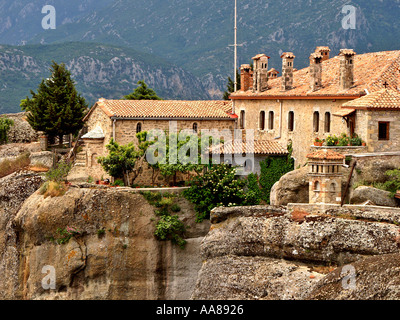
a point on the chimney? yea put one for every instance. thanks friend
(287, 71)
(245, 77)
(346, 79)
(316, 59)
(273, 73)
(260, 75)
(324, 51)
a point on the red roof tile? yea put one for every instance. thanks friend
(260, 147)
(382, 99)
(371, 71)
(325, 155)
(166, 109)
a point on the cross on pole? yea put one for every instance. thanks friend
(386, 85)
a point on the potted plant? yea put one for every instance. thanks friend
(318, 142)
(332, 141)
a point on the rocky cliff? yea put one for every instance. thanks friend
(124, 261)
(282, 253)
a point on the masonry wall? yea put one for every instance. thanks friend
(125, 132)
(303, 134)
(372, 132)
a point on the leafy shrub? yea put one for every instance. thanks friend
(272, 169)
(119, 183)
(66, 234)
(216, 188)
(253, 193)
(59, 173)
(175, 208)
(5, 125)
(170, 228)
(394, 183)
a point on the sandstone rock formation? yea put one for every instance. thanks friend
(374, 278)
(291, 188)
(291, 240)
(14, 190)
(376, 196)
(21, 132)
(125, 261)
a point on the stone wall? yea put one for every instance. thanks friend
(303, 135)
(21, 132)
(125, 132)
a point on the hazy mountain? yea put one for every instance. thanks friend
(99, 71)
(196, 34)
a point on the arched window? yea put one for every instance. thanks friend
(291, 121)
(242, 119)
(195, 127)
(317, 186)
(316, 121)
(271, 120)
(327, 122)
(138, 127)
(262, 120)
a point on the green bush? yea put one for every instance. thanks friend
(5, 125)
(272, 169)
(217, 188)
(170, 228)
(253, 192)
(59, 173)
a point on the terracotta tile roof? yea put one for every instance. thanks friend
(382, 99)
(325, 155)
(259, 56)
(347, 52)
(288, 55)
(344, 112)
(260, 147)
(322, 49)
(273, 70)
(371, 71)
(166, 109)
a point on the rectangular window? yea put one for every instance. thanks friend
(384, 128)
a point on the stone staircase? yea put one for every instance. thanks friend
(78, 172)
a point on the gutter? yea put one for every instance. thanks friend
(173, 119)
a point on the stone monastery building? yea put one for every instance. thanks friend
(348, 93)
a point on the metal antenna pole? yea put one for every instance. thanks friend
(235, 45)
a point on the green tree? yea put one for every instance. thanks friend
(142, 92)
(231, 86)
(272, 169)
(5, 125)
(56, 109)
(124, 160)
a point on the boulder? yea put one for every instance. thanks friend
(21, 132)
(42, 158)
(373, 278)
(293, 187)
(376, 196)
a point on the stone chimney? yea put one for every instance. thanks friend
(260, 73)
(246, 79)
(316, 71)
(324, 51)
(346, 80)
(273, 73)
(287, 71)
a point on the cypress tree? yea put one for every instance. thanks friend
(56, 109)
